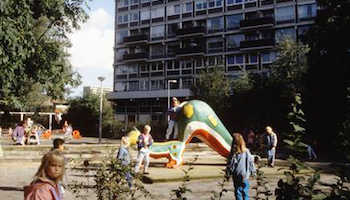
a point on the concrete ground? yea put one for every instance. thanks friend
(205, 176)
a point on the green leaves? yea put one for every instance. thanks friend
(33, 42)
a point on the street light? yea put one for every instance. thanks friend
(101, 79)
(170, 81)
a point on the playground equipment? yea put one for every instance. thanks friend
(196, 119)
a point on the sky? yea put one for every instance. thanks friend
(92, 46)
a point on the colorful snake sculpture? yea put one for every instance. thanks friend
(195, 119)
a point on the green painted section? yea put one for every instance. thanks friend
(200, 112)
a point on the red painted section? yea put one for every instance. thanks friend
(211, 141)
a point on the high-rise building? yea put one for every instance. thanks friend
(159, 41)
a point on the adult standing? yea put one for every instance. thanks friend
(270, 138)
(172, 124)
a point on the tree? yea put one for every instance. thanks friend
(84, 115)
(213, 87)
(290, 65)
(329, 73)
(33, 42)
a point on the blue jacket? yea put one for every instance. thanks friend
(241, 166)
(124, 156)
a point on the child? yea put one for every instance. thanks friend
(240, 166)
(58, 144)
(270, 139)
(125, 157)
(18, 133)
(46, 181)
(144, 141)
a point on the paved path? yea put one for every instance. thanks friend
(205, 176)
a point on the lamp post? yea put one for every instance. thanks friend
(101, 79)
(170, 81)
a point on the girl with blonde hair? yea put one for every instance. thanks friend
(240, 166)
(125, 157)
(46, 183)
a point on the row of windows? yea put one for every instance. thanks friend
(281, 12)
(199, 63)
(212, 44)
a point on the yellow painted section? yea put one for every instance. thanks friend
(188, 110)
(213, 120)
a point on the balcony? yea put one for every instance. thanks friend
(135, 57)
(191, 32)
(136, 39)
(257, 23)
(257, 44)
(190, 51)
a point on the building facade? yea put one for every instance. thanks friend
(91, 90)
(160, 41)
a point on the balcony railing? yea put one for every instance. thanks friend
(136, 39)
(193, 31)
(258, 22)
(190, 51)
(142, 56)
(257, 44)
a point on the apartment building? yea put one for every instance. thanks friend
(161, 45)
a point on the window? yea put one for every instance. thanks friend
(145, 1)
(133, 69)
(144, 85)
(173, 10)
(157, 12)
(173, 65)
(303, 29)
(187, 7)
(157, 85)
(253, 58)
(120, 86)
(121, 52)
(172, 29)
(268, 57)
(285, 32)
(121, 69)
(201, 5)
(215, 44)
(157, 66)
(157, 51)
(122, 3)
(215, 24)
(233, 41)
(134, 2)
(232, 21)
(133, 86)
(235, 59)
(232, 2)
(123, 18)
(144, 68)
(285, 14)
(214, 3)
(121, 35)
(172, 47)
(145, 14)
(186, 64)
(186, 82)
(134, 16)
(157, 32)
(307, 11)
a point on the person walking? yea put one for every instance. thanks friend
(270, 140)
(240, 166)
(144, 141)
